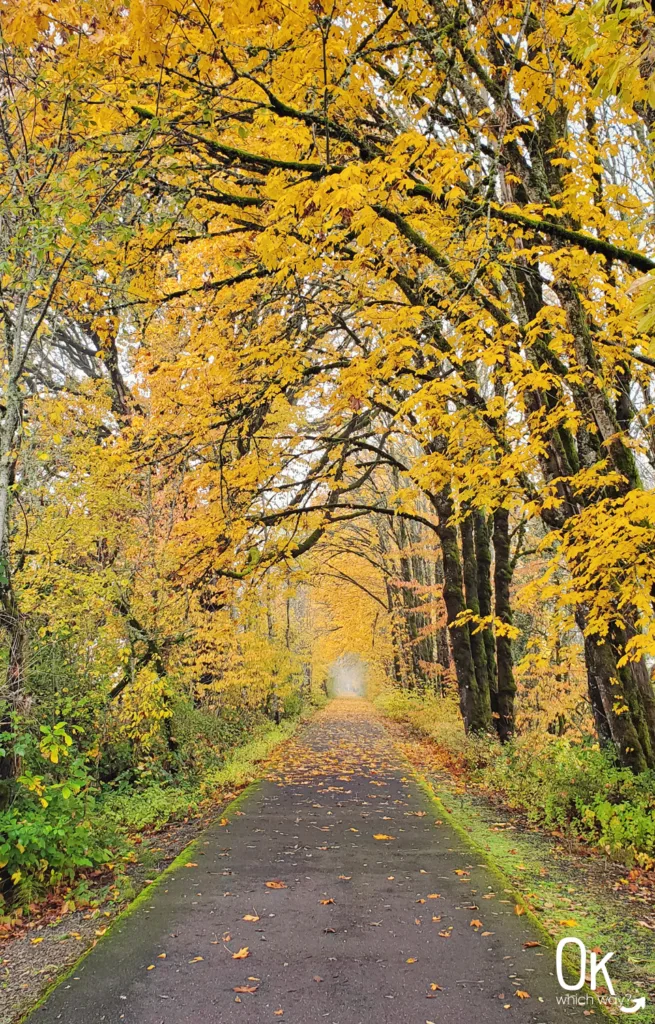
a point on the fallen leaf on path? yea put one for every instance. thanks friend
(151, 968)
(278, 1013)
(242, 954)
(434, 895)
(196, 959)
(224, 821)
(475, 923)
(191, 864)
(245, 988)
(485, 934)
(251, 917)
(345, 878)
(162, 956)
(317, 978)
(445, 935)
(412, 960)
(35, 942)
(275, 884)
(460, 872)
(324, 903)
(521, 994)
(531, 944)
(435, 988)
(381, 835)
(519, 910)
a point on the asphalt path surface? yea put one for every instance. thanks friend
(331, 893)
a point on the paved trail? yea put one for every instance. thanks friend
(357, 928)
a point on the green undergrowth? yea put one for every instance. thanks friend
(566, 895)
(574, 789)
(56, 846)
(156, 804)
(563, 900)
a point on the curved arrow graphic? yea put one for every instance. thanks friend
(637, 1005)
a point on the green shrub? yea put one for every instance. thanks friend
(578, 790)
(47, 834)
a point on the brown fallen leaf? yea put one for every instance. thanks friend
(242, 954)
(317, 978)
(460, 872)
(487, 933)
(324, 903)
(445, 935)
(278, 1013)
(434, 895)
(275, 884)
(531, 944)
(437, 917)
(345, 878)
(475, 923)
(245, 988)
(434, 987)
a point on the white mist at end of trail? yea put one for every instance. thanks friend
(347, 677)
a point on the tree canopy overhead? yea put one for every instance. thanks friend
(328, 328)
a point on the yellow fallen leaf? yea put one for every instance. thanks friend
(224, 821)
(487, 933)
(250, 917)
(571, 923)
(242, 954)
(278, 1013)
(381, 835)
(475, 923)
(460, 871)
(324, 903)
(519, 910)
(191, 864)
(162, 956)
(522, 995)
(435, 988)
(35, 942)
(412, 960)
(152, 967)
(434, 896)
(196, 959)
(275, 884)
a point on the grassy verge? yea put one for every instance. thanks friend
(568, 891)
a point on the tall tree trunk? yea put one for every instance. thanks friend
(474, 701)
(470, 565)
(506, 686)
(12, 621)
